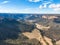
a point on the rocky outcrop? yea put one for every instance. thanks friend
(35, 34)
(46, 30)
(58, 42)
(39, 26)
(50, 35)
(49, 17)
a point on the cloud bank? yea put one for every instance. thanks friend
(55, 7)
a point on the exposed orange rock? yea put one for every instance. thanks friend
(49, 17)
(58, 42)
(39, 26)
(35, 34)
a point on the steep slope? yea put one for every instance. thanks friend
(18, 31)
(11, 29)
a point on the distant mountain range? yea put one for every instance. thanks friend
(18, 27)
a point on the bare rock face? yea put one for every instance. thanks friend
(49, 17)
(36, 34)
(47, 35)
(50, 33)
(41, 27)
(46, 31)
(58, 42)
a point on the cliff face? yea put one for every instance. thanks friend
(34, 30)
(36, 34)
(49, 30)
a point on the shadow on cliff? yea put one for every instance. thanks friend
(10, 28)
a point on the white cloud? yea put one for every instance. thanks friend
(38, 11)
(51, 5)
(45, 2)
(40, 6)
(4, 2)
(55, 7)
(34, 0)
(44, 5)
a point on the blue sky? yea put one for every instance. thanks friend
(30, 6)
